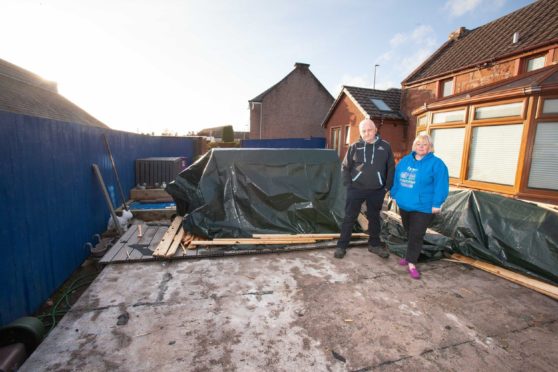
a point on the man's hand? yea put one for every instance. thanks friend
(436, 210)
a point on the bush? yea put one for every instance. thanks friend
(228, 134)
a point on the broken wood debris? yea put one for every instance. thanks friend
(534, 284)
(271, 239)
(176, 237)
(168, 238)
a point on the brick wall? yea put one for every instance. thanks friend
(347, 113)
(416, 96)
(295, 108)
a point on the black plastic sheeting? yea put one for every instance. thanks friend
(240, 192)
(510, 233)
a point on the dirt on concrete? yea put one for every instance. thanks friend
(302, 311)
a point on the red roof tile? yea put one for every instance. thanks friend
(537, 25)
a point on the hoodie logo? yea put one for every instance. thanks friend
(381, 147)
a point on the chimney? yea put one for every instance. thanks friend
(458, 34)
(303, 66)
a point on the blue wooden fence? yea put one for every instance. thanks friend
(51, 202)
(285, 143)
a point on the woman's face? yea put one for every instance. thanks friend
(422, 147)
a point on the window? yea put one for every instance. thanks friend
(495, 153)
(348, 135)
(422, 121)
(446, 87)
(499, 111)
(448, 146)
(550, 106)
(381, 105)
(336, 139)
(448, 117)
(535, 63)
(544, 163)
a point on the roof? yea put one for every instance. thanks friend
(362, 97)
(298, 67)
(534, 81)
(536, 24)
(218, 132)
(23, 92)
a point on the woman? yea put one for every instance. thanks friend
(420, 187)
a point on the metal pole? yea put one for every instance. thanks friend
(115, 172)
(374, 85)
(107, 199)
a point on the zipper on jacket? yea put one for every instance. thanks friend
(373, 152)
(380, 179)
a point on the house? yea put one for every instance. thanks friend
(489, 98)
(23, 92)
(292, 108)
(217, 133)
(355, 104)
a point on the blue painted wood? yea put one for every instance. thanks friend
(51, 203)
(285, 143)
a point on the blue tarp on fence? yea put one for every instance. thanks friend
(285, 143)
(52, 203)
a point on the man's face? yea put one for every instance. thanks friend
(368, 132)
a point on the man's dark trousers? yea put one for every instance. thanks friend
(374, 201)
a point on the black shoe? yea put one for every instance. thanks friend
(380, 250)
(339, 252)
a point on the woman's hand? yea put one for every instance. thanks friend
(436, 210)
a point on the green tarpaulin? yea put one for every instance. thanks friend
(240, 192)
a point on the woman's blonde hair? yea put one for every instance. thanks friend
(425, 138)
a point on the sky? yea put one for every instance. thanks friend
(178, 66)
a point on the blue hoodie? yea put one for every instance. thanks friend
(420, 185)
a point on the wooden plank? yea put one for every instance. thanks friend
(127, 253)
(150, 194)
(165, 243)
(362, 222)
(249, 241)
(175, 242)
(115, 249)
(308, 236)
(145, 239)
(160, 231)
(154, 214)
(534, 284)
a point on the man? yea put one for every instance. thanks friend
(368, 170)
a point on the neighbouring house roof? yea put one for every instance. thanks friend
(536, 25)
(23, 92)
(218, 132)
(298, 66)
(364, 98)
(534, 81)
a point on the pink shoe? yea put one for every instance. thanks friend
(414, 273)
(403, 262)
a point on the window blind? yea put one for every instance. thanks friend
(494, 153)
(448, 146)
(544, 163)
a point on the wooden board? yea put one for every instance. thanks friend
(167, 240)
(125, 250)
(249, 241)
(175, 242)
(534, 284)
(309, 236)
(150, 194)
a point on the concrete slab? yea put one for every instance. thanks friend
(301, 311)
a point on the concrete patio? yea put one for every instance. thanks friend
(301, 311)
